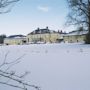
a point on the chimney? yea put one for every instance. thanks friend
(47, 27)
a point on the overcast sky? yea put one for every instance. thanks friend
(28, 15)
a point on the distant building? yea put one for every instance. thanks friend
(75, 36)
(44, 35)
(15, 40)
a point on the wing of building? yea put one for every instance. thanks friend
(75, 36)
(15, 40)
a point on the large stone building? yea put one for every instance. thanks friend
(45, 36)
(15, 40)
(75, 36)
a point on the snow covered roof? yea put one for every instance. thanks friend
(77, 32)
(16, 36)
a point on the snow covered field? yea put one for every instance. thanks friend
(52, 66)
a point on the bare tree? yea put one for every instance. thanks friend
(6, 5)
(80, 14)
(10, 78)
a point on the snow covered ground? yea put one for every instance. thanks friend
(52, 66)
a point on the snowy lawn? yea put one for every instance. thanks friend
(51, 66)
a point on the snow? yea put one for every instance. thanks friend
(84, 32)
(52, 66)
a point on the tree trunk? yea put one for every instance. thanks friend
(88, 35)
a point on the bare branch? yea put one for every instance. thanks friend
(4, 5)
(80, 12)
(4, 61)
(11, 75)
(15, 78)
(12, 85)
(14, 62)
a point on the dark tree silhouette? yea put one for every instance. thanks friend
(2, 38)
(80, 14)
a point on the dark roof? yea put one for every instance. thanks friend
(77, 32)
(42, 31)
(14, 36)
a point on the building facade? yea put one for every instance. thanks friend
(15, 40)
(44, 35)
(75, 36)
